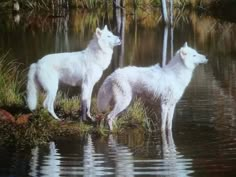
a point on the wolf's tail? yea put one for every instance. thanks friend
(32, 88)
(104, 96)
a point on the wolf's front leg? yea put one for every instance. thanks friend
(164, 111)
(170, 116)
(84, 109)
(86, 101)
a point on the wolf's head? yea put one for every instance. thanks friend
(191, 57)
(106, 39)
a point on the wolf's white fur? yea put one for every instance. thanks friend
(83, 68)
(166, 84)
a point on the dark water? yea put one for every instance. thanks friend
(203, 141)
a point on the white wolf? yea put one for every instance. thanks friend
(83, 68)
(166, 84)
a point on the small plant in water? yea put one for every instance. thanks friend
(135, 116)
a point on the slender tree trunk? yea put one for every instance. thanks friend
(164, 49)
(120, 21)
(171, 13)
(66, 20)
(134, 51)
(106, 20)
(172, 41)
(122, 36)
(164, 12)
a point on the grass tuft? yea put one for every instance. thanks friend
(135, 116)
(11, 82)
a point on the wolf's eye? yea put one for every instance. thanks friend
(194, 55)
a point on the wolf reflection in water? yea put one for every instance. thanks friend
(112, 159)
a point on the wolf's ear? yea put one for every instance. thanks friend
(105, 27)
(185, 44)
(183, 53)
(98, 32)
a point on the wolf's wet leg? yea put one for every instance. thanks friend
(84, 111)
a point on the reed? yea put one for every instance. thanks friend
(11, 82)
(135, 116)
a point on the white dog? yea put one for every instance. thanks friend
(82, 68)
(166, 84)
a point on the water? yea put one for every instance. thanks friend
(203, 140)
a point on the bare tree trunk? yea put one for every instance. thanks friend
(171, 29)
(164, 49)
(164, 11)
(172, 41)
(134, 5)
(106, 19)
(122, 36)
(119, 18)
(171, 13)
(168, 21)
(135, 38)
(66, 20)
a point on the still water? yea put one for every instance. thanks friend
(203, 140)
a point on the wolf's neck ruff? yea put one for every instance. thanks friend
(182, 73)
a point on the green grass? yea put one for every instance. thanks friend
(11, 82)
(136, 116)
(68, 107)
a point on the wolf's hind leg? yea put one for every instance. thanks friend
(52, 97)
(122, 100)
(50, 85)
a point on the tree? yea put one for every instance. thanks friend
(164, 12)
(167, 17)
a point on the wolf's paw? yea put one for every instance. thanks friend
(92, 118)
(58, 119)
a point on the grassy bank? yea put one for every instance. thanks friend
(21, 128)
(29, 130)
